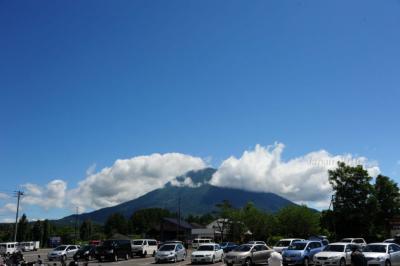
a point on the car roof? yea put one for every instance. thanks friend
(340, 243)
(290, 239)
(381, 243)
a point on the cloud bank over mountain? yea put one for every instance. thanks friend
(303, 179)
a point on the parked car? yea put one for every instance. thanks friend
(207, 253)
(334, 254)
(285, 243)
(301, 252)
(199, 241)
(170, 252)
(228, 246)
(248, 254)
(358, 241)
(63, 251)
(87, 252)
(257, 243)
(143, 247)
(114, 249)
(389, 240)
(382, 254)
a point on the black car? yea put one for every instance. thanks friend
(114, 249)
(87, 252)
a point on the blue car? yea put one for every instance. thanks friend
(228, 246)
(301, 253)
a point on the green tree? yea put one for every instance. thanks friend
(23, 231)
(262, 225)
(37, 231)
(47, 230)
(298, 221)
(85, 230)
(353, 204)
(386, 193)
(116, 223)
(144, 220)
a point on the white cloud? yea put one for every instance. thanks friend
(303, 179)
(9, 208)
(7, 220)
(187, 182)
(50, 196)
(131, 178)
(4, 196)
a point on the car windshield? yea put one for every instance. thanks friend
(335, 248)
(138, 242)
(223, 244)
(167, 248)
(297, 246)
(243, 248)
(109, 243)
(283, 243)
(206, 248)
(345, 240)
(375, 248)
(86, 248)
(60, 248)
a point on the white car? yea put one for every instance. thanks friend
(382, 254)
(285, 243)
(358, 241)
(144, 247)
(207, 253)
(334, 254)
(63, 251)
(200, 241)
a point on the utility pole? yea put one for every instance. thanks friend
(18, 194)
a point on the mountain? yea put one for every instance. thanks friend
(198, 198)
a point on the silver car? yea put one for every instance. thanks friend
(63, 251)
(170, 252)
(382, 254)
(248, 254)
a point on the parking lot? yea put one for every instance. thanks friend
(32, 256)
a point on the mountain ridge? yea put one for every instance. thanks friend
(198, 198)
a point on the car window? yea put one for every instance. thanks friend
(317, 245)
(396, 248)
(153, 243)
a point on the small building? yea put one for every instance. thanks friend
(394, 226)
(173, 229)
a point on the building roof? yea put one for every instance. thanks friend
(182, 223)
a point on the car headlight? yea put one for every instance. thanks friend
(208, 255)
(335, 257)
(381, 258)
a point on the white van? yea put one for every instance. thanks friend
(8, 248)
(29, 246)
(200, 241)
(144, 247)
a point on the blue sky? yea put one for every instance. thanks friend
(90, 82)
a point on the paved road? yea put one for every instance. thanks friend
(149, 261)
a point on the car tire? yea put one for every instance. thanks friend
(388, 263)
(222, 257)
(306, 262)
(144, 254)
(248, 262)
(229, 264)
(115, 258)
(175, 259)
(154, 254)
(342, 262)
(126, 256)
(64, 257)
(213, 260)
